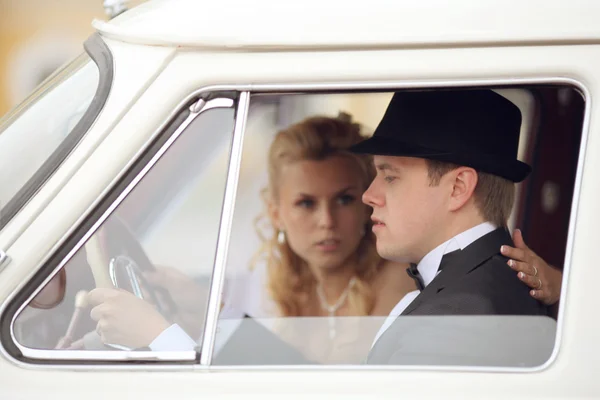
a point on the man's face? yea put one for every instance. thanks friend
(407, 210)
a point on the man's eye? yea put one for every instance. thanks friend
(389, 179)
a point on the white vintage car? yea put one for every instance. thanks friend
(149, 150)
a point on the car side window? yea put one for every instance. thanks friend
(305, 283)
(140, 278)
(300, 277)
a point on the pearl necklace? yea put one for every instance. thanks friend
(331, 309)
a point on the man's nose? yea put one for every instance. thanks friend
(371, 196)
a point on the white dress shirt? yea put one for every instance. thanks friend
(429, 265)
(174, 337)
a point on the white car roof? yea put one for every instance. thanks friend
(333, 24)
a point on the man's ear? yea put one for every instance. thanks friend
(464, 182)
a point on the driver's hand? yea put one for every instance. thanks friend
(125, 319)
(186, 293)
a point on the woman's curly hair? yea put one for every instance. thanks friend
(290, 281)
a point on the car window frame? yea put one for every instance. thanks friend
(101, 55)
(203, 362)
(94, 218)
(346, 87)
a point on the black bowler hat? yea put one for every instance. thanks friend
(475, 128)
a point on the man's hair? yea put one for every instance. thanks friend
(494, 196)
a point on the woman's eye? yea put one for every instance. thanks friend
(389, 179)
(346, 199)
(306, 203)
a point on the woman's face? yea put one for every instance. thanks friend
(320, 210)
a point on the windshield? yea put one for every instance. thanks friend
(37, 136)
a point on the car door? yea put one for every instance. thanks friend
(170, 149)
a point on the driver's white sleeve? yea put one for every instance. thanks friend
(173, 339)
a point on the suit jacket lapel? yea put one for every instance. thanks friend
(469, 258)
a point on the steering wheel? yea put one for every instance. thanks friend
(117, 260)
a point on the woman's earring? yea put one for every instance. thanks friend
(281, 237)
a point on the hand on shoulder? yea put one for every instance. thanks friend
(544, 279)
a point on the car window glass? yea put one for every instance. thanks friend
(157, 246)
(276, 311)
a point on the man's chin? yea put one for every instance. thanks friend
(385, 253)
(394, 255)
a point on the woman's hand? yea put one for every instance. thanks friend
(544, 280)
(125, 319)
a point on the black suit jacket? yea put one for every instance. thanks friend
(476, 282)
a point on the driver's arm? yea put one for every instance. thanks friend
(173, 338)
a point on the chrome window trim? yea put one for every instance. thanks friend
(347, 87)
(235, 161)
(103, 58)
(30, 354)
(4, 259)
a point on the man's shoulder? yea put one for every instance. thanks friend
(494, 287)
(493, 272)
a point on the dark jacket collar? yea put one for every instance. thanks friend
(466, 261)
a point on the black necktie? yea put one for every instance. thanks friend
(413, 272)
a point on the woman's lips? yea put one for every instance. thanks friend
(328, 245)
